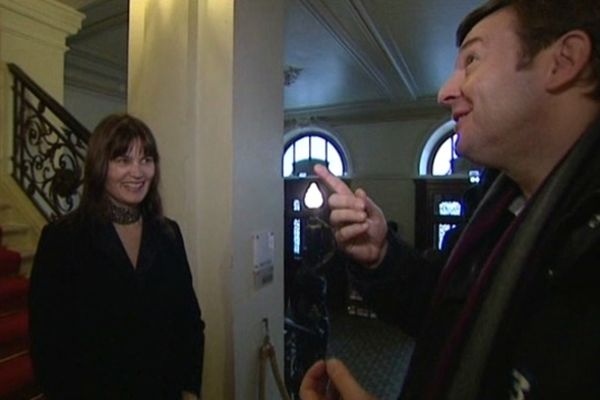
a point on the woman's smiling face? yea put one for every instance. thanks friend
(129, 176)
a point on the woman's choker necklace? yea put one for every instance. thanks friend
(123, 215)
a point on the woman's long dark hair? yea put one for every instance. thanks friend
(112, 138)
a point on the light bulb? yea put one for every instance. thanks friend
(313, 197)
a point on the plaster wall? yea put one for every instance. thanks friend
(385, 158)
(257, 183)
(90, 107)
(205, 75)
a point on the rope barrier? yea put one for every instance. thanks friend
(267, 353)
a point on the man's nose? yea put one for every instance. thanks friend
(451, 89)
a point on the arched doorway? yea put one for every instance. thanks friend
(309, 250)
(444, 177)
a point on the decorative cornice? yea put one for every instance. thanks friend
(373, 49)
(424, 107)
(87, 67)
(329, 21)
(116, 20)
(48, 12)
(387, 46)
(95, 72)
(290, 74)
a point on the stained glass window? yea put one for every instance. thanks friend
(445, 175)
(443, 158)
(296, 236)
(449, 208)
(304, 151)
(446, 209)
(442, 229)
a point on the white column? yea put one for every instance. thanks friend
(206, 75)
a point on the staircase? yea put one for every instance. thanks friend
(45, 148)
(16, 256)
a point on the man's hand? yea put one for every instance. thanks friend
(189, 396)
(359, 224)
(331, 380)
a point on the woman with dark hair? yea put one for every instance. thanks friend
(112, 308)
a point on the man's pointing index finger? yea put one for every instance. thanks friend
(333, 182)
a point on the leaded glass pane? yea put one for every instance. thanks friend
(296, 236)
(442, 229)
(474, 176)
(302, 146)
(311, 148)
(317, 148)
(288, 161)
(442, 161)
(449, 208)
(335, 161)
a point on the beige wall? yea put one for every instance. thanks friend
(90, 107)
(257, 182)
(385, 158)
(206, 76)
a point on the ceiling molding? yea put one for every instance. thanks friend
(89, 64)
(388, 47)
(95, 72)
(369, 45)
(424, 107)
(83, 82)
(332, 24)
(103, 60)
(98, 27)
(52, 14)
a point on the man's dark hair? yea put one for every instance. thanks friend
(541, 22)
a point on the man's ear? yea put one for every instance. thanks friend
(571, 54)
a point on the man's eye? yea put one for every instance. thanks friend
(470, 59)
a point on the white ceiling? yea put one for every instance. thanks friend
(354, 55)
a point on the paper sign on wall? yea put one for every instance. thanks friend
(264, 252)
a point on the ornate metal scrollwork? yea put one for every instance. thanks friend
(48, 154)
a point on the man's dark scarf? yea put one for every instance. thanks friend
(464, 359)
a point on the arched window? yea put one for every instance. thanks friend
(443, 158)
(443, 178)
(305, 147)
(309, 146)
(439, 157)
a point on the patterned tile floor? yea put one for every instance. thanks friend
(377, 353)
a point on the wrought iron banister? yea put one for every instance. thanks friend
(49, 147)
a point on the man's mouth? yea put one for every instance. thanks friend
(457, 115)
